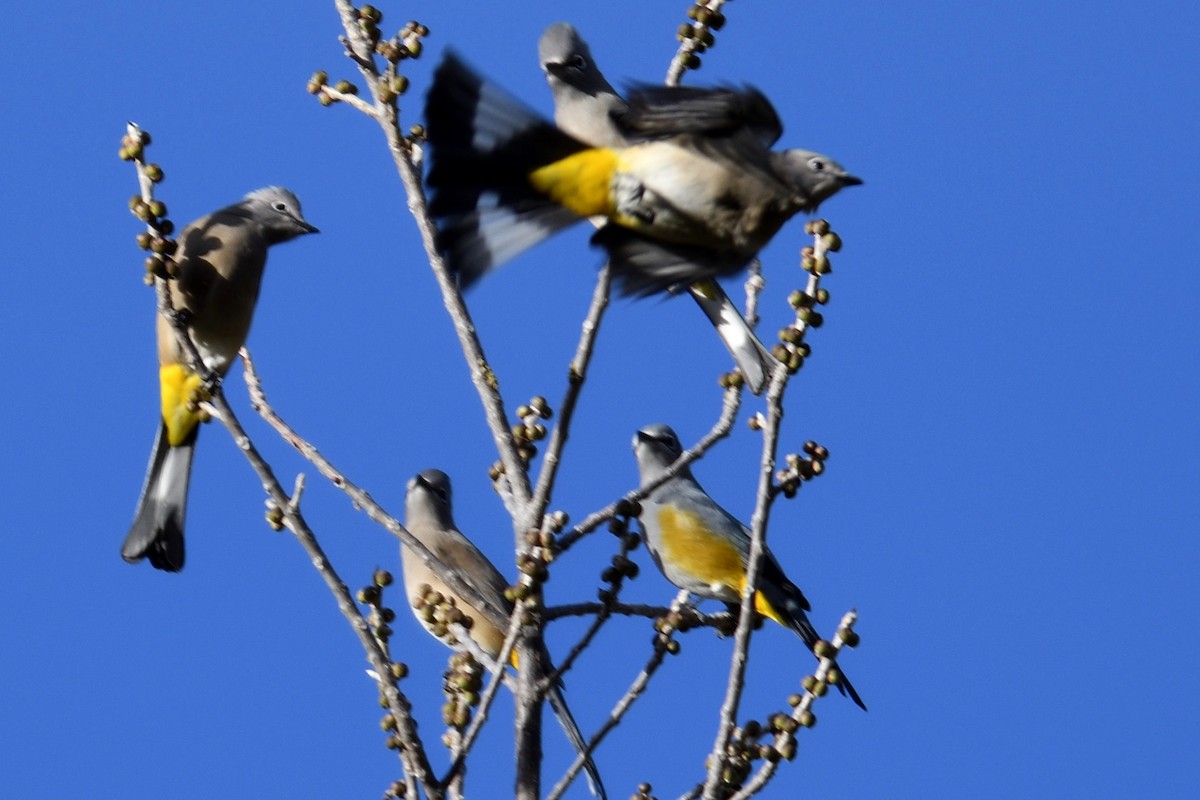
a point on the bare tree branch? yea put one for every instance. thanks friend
(360, 498)
(576, 377)
(802, 713)
(664, 644)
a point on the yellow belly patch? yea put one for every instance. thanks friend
(177, 385)
(581, 182)
(708, 558)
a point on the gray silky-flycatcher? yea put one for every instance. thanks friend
(703, 549)
(220, 260)
(694, 196)
(586, 106)
(429, 518)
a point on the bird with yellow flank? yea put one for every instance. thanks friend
(692, 194)
(703, 549)
(587, 107)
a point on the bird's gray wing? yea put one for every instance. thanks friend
(656, 111)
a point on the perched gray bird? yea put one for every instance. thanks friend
(587, 107)
(701, 548)
(220, 262)
(693, 196)
(429, 517)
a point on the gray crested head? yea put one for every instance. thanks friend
(429, 498)
(814, 176)
(278, 211)
(565, 57)
(656, 448)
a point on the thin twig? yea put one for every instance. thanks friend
(576, 378)
(482, 376)
(692, 616)
(755, 282)
(497, 675)
(360, 498)
(747, 612)
(412, 753)
(352, 100)
(784, 738)
(635, 690)
(610, 597)
(688, 46)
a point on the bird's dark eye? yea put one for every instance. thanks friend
(817, 164)
(280, 206)
(577, 62)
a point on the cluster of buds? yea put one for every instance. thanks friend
(156, 239)
(827, 674)
(439, 613)
(462, 686)
(547, 538)
(405, 44)
(380, 616)
(745, 746)
(622, 567)
(801, 468)
(643, 792)
(396, 790)
(697, 35)
(530, 428)
(541, 547)
(134, 144)
(792, 349)
(731, 380)
(327, 95)
(784, 727)
(534, 568)
(408, 43)
(740, 754)
(665, 628)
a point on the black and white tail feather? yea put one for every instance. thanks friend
(483, 145)
(157, 530)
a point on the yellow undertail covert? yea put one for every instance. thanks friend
(581, 182)
(715, 560)
(177, 385)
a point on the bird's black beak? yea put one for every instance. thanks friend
(851, 180)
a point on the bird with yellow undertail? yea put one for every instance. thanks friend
(220, 260)
(702, 548)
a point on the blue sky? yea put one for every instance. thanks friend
(1003, 381)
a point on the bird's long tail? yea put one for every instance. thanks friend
(797, 621)
(563, 714)
(787, 605)
(157, 530)
(752, 358)
(484, 147)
